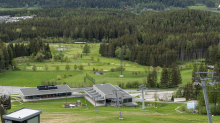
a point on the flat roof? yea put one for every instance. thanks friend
(106, 88)
(22, 114)
(34, 91)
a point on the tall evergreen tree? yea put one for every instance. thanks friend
(194, 74)
(6, 58)
(86, 49)
(10, 54)
(164, 78)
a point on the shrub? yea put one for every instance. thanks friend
(59, 77)
(93, 69)
(64, 76)
(183, 108)
(28, 63)
(96, 70)
(112, 69)
(70, 75)
(136, 73)
(101, 69)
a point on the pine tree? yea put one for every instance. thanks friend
(57, 67)
(1, 60)
(194, 74)
(6, 57)
(164, 78)
(10, 54)
(179, 78)
(86, 49)
(81, 67)
(46, 67)
(154, 78)
(174, 77)
(67, 67)
(75, 67)
(149, 79)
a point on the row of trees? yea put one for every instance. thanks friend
(34, 48)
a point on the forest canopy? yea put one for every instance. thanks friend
(161, 37)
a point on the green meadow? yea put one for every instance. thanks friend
(53, 111)
(75, 78)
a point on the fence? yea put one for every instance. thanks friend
(90, 78)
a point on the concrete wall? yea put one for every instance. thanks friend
(100, 92)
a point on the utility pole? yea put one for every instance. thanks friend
(85, 101)
(155, 96)
(213, 84)
(203, 85)
(115, 91)
(142, 88)
(121, 60)
(96, 106)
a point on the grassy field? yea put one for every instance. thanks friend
(53, 112)
(23, 8)
(32, 78)
(203, 8)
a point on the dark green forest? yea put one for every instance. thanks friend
(161, 37)
(137, 4)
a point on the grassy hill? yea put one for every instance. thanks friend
(32, 78)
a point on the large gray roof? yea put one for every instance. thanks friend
(106, 88)
(35, 91)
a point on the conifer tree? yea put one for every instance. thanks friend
(81, 67)
(57, 67)
(174, 77)
(75, 67)
(154, 78)
(179, 78)
(194, 74)
(164, 78)
(10, 54)
(149, 79)
(67, 67)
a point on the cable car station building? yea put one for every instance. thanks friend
(46, 92)
(103, 95)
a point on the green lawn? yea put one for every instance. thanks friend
(23, 8)
(52, 111)
(198, 7)
(32, 78)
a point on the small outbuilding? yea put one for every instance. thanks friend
(24, 115)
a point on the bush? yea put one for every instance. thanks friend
(112, 69)
(70, 75)
(59, 77)
(28, 63)
(93, 69)
(183, 108)
(101, 69)
(64, 76)
(96, 70)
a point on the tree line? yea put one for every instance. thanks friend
(183, 31)
(11, 51)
